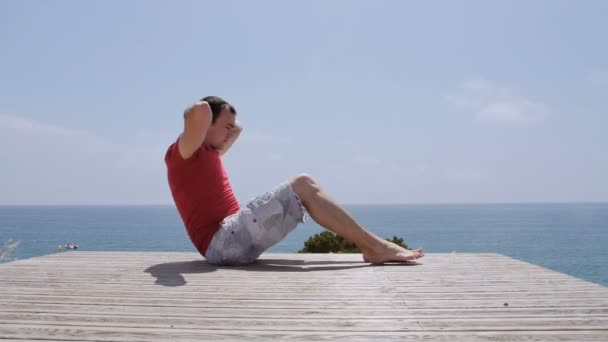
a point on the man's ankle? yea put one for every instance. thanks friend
(373, 247)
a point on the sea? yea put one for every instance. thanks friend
(571, 238)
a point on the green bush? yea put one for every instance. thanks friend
(330, 242)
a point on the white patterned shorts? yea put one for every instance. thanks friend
(263, 222)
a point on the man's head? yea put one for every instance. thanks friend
(223, 122)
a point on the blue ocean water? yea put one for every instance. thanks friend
(569, 238)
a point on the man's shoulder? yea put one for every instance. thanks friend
(203, 154)
(171, 150)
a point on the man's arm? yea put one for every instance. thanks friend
(197, 120)
(238, 128)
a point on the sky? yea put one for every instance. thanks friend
(380, 101)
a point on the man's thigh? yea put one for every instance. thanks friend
(274, 214)
(263, 222)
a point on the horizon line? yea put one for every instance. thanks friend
(345, 204)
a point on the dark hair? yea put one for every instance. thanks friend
(217, 104)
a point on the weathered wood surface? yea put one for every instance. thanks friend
(141, 296)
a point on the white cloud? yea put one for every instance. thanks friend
(45, 163)
(43, 132)
(598, 76)
(272, 156)
(491, 102)
(367, 160)
(421, 169)
(516, 111)
(260, 138)
(465, 174)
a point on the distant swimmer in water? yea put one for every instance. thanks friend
(71, 245)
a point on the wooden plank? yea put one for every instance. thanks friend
(245, 294)
(137, 296)
(213, 287)
(62, 332)
(366, 312)
(311, 323)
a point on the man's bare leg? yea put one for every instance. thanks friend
(329, 214)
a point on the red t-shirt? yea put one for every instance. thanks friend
(201, 191)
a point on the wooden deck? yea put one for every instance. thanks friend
(132, 296)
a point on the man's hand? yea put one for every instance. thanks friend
(236, 131)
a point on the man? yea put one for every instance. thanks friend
(222, 231)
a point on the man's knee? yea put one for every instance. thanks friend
(304, 184)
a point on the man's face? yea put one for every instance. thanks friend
(221, 130)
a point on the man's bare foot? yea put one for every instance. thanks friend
(391, 252)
